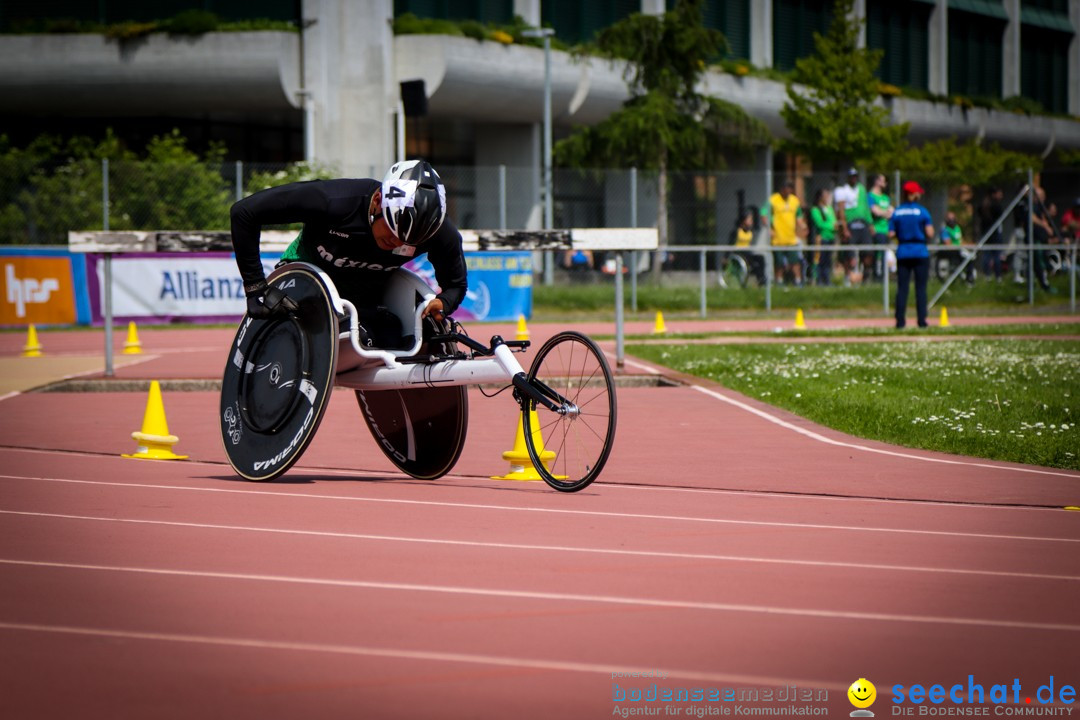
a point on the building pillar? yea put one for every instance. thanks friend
(1073, 67)
(653, 7)
(939, 48)
(1010, 51)
(761, 19)
(858, 12)
(348, 59)
(529, 11)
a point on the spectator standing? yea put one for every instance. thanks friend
(912, 227)
(1070, 223)
(855, 220)
(881, 210)
(1041, 232)
(990, 210)
(952, 236)
(784, 212)
(823, 221)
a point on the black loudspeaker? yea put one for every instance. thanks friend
(414, 98)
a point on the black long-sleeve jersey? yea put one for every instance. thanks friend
(337, 236)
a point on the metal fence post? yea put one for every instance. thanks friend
(1072, 279)
(619, 324)
(1030, 237)
(703, 273)
(769, 260)
(502, 197)
(107, 270)
(633, 253)
(239, 180)
(104, 193)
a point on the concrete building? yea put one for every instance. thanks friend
(331, 92)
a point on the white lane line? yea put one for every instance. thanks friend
(556, 548)
(612, 671)
(567, 597)
(787, 495)
(552, 511)
(854, 446)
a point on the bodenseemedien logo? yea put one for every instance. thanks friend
(862, 695)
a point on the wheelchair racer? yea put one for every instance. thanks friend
(357, 231)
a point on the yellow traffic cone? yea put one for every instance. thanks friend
(155, 442)
(659, 328)
(800, 321)
(521, 466)
(522, 329)
(32, 348)
(944, 322)
(132, 346)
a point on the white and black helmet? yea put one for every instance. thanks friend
(413, 201)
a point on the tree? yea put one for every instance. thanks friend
(831, 111)
(951, 163)
(666, 124)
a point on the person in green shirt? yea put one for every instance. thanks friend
(823, 221)
(952, 236)
(854, 219)
(881, 210)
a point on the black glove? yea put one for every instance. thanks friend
(264, 301)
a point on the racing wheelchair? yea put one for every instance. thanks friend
(410, 381)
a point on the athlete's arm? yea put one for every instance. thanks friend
(296, 202)
(448, 259)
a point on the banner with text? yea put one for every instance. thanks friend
(43, 287)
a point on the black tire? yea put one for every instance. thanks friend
(278, 379)
(571, 365)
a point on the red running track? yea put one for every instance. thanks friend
(155, 589)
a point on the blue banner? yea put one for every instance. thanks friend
(500, 285)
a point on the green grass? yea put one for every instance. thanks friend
(951, 331)
(1016, 400)
(597, 301)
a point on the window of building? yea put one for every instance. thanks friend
(901, 30)
(975, 52)
(576, 22)
(794, 25)
(485, 11)
(1044, 67)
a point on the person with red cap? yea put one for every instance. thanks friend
(912, 227)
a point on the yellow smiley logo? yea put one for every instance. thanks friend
(862, 693)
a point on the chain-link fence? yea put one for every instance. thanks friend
(39, 205)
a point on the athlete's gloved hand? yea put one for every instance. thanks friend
(264, 301)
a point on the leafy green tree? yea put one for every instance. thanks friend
(831, 111)
(953, 163)
(666, 124)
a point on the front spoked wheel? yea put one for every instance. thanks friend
(568, 446)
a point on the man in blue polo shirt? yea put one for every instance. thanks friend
(912, 227)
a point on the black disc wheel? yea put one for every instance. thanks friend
(568, 446)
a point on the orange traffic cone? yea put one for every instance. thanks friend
(155, 442)
(32, 348)
(521, 466)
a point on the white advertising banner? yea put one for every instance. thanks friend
(183, 285)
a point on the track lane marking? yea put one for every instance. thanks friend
(565, 597)
(781, 494)
(849, 445)
(554, 548)
(557, 511)
(530, 663)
